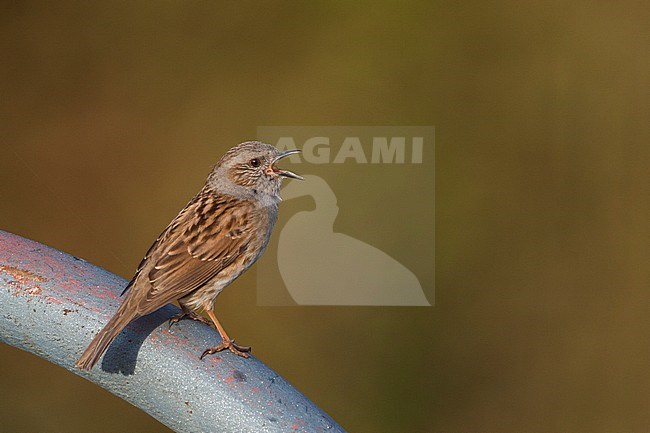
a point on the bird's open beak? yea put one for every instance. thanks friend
(285, 173)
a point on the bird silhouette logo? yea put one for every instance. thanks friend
(321, 267)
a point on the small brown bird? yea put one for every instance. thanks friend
(221, 232)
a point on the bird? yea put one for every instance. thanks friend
(217, 236)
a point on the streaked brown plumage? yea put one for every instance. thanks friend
(221, 232)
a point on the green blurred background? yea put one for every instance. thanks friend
(111, 114)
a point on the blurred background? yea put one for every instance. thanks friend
(112, 113)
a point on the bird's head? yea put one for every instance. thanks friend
(250, 168)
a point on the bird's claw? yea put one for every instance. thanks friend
(230, 345)
(190, 314)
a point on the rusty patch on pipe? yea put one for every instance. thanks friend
(24, 280)
(22, 274)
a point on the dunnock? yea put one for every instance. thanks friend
(221, 232)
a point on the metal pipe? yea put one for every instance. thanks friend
(51, 304)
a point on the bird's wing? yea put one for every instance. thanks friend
(172, 230)
(207, 236)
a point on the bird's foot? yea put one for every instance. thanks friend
(230, 345)
(190, 314)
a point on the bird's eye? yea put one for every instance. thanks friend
(254, 162)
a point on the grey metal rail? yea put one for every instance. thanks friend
(51, 304)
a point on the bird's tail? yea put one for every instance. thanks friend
(101, 341)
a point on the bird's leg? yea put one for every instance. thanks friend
(226, 343)
(187, 312)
